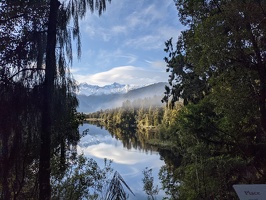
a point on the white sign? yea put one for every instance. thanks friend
(251, 192)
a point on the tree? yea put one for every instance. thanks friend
(186, 83)
(83, 180)
(148, 186)
(35, 43)
(218, 69)
(19, 80)
(225, 35)
(75, 10)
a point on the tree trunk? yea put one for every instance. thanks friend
(5, 166)
(47, 107)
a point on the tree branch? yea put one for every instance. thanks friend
(25, 69)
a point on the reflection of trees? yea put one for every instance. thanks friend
(18, 149)
(130, 137)
(20, 123)
(167, 172)
(96, 123)
(126, 135)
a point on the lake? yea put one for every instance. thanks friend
(129, 162)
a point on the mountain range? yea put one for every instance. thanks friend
(115, 88)
(93, 98)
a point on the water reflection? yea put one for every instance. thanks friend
(128, 157)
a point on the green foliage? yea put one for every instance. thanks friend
(218, 70)
(131, 114)
(186, 83)
(209, 155)
(148, 186)
(82, 179)
(216, 145)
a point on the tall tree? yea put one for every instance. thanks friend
(75, 10)
(218, 68)
(47, 107)
(20, 24)
(35, 43)
(224, 35)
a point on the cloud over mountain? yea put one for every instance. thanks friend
(125, 75)
(118, 44)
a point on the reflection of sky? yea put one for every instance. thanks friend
(99, 144)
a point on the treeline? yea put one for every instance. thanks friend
(138, 113)
(152, 123)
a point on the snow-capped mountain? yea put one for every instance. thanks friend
(115, 88)
(95, 98)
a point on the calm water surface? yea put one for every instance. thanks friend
(99, 144)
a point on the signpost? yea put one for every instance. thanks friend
(251, 192)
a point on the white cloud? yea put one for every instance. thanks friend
(130, 57)
(143, 17)
(147, 20)
(126, 35)
(158, 64)
(124, 75)
(108, 58)
(147, 42)
(119, 29)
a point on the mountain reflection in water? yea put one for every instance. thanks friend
(99, 144)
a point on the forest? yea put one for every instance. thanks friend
(210, 131)
(214, 119)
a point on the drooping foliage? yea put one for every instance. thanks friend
(35, 53)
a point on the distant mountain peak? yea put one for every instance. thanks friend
(114, 88)
(117, 84)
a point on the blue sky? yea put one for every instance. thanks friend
(126, 43)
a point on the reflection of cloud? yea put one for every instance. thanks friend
(117, 154)
(132, 172)
(124, 75)
(129, 163)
